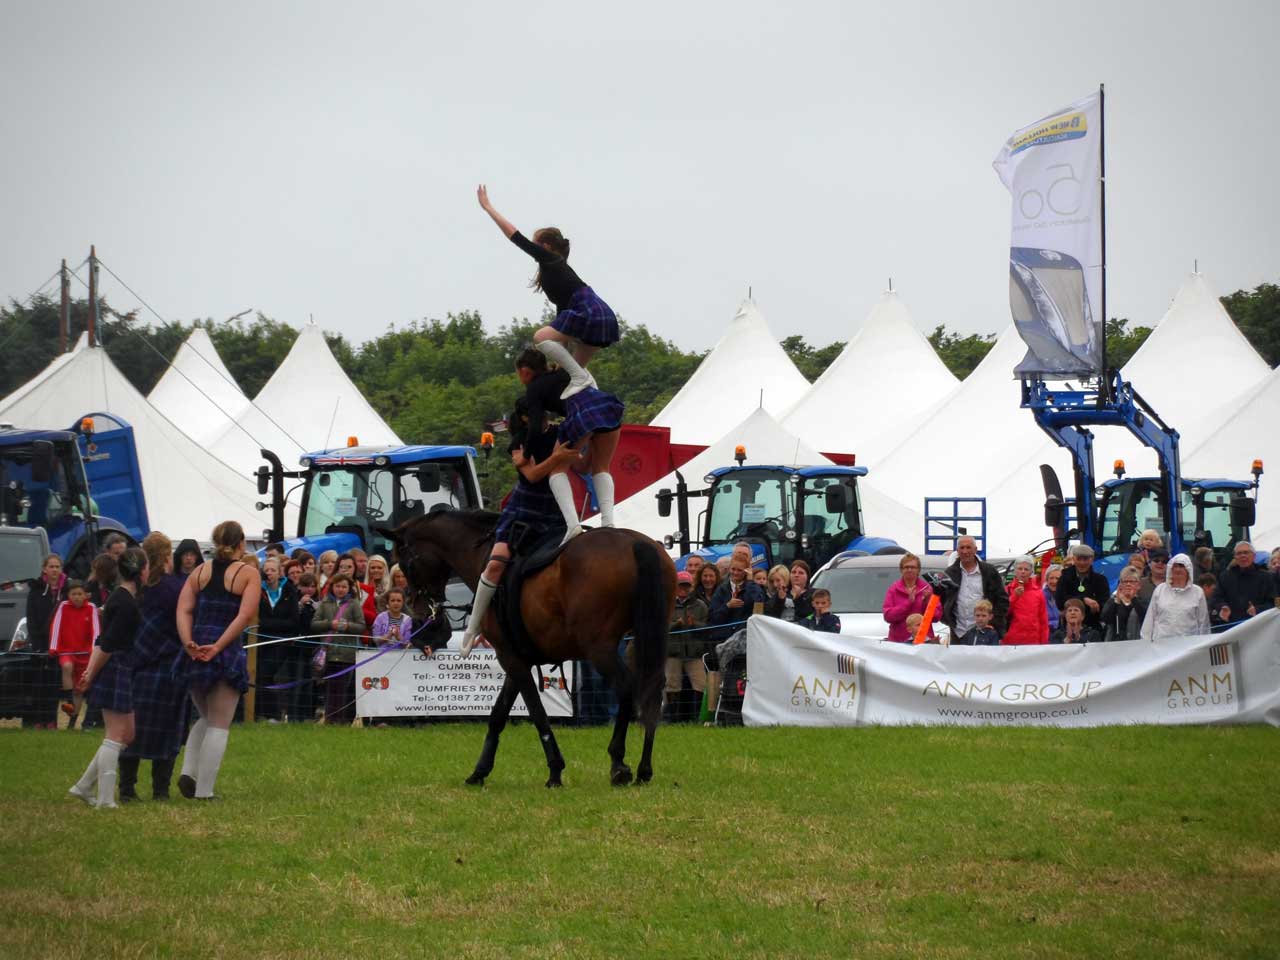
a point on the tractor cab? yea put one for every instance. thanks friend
(349, 492)
(788, 513)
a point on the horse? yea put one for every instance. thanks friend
(605, 583)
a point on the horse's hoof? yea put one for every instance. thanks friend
(554, 782)
(475, 780)
(643, 777)
(621, 776)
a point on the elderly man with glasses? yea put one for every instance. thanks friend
(1244, 588)
(1157, 571)
(1081, 582)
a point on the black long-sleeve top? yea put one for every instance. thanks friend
(543, 397)
(559, 282)
(120, 622)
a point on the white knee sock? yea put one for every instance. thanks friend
(479, 607)
(211, 751)
(578, 376)
(603, 482)
(108, 771)
(562, 490)
(191, 755)
(89, 777)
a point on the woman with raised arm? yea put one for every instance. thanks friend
(219, 600)
(584, 323)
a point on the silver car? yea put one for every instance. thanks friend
(858, 585)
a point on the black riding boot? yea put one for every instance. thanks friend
(161, 774)
(128, 779)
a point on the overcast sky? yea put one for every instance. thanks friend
(322, 157)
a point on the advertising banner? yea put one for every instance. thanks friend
(796, 677)
(445, 684)
(1053, 170)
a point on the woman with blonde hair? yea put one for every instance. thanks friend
(218, 601)
(780, 604)
(326, 566)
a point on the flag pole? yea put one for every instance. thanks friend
(1105, 392)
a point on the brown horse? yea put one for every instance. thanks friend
(607, 583)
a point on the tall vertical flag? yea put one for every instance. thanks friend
(1053, 169)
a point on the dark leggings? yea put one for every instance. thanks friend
(340, 695)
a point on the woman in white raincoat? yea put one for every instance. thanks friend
(1178, 607)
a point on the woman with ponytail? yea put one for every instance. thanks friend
(218, 601)
(109, 681)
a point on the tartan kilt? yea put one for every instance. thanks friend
(589, 411)
(231, 667)
(159, 708)
(588, 319)
(113, 686)
(537, 508)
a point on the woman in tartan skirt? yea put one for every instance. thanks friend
(590, 414)
(218, 601)
(159, 697)
(109, 681)
(536, 457)
(584, 323)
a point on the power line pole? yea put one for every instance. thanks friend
(64, 313)
(93, 296)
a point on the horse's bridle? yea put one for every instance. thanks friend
(437, 606)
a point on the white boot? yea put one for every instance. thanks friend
(603, 482)
(562, 490)
(211, 753)
(579, 379)
(479, 607)
(108, 772)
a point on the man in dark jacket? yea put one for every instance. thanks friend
(1244, 588)
(735, 599)
(977, 580)
(1081, 582)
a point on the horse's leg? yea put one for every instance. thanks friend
(532, 697)
(616, 672)
(497, 721)
(649, 712)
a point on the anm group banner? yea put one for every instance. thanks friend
(796, 677)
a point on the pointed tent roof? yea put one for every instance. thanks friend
(54, 365)
(1245, 430)
(767, 442)
(188, 490)
(308, 404)
(197, 392)
(728, 384)
(888, 357)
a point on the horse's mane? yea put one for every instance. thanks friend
(480, 521)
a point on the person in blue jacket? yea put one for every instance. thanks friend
(735, 599)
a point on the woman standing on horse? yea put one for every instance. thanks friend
(591, 420)
(536, 456)
(584, 323)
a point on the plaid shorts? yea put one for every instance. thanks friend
(113, 687)
(589, 411)
(588, 319)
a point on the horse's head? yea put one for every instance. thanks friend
(430, 550)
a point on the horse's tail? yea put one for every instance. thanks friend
(650, 625)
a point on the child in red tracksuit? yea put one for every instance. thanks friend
(75, 627)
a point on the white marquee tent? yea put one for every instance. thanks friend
(197, 392)
(1245, 430)
(308, 404)
(746, 368)
(188, 490)
(766, 442)
(886, 375)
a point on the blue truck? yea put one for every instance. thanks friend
(347, 493)
(80, 485)
(786, 513)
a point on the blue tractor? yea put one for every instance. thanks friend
(349, 492)
(1111, 516)
(60, 480)
(785, 513)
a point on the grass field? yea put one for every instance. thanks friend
(1159, 842)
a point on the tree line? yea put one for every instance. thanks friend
(444, 380)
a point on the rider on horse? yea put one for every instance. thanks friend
(536, 454)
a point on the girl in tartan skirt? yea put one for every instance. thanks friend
(109, 681)
(159, 697)
(590, 414)
(584, 323)
(218, 601)
(536, 456)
